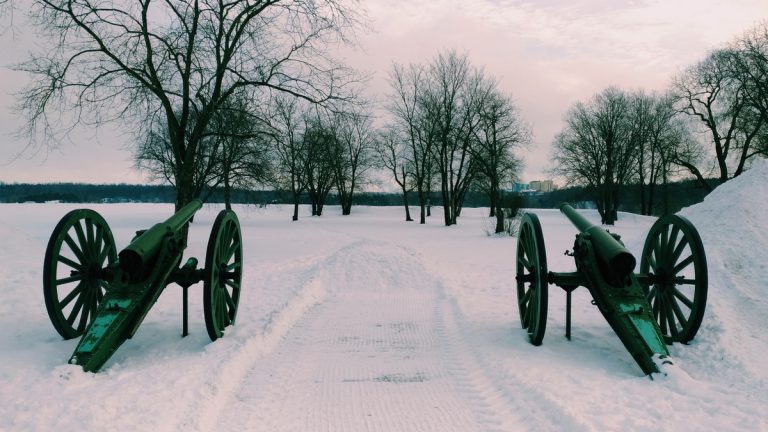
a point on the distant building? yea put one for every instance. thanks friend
(520, 187)
(542, 185)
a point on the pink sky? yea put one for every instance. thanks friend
(548, 54)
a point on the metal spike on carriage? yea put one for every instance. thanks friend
(93, 292)
(663, 303)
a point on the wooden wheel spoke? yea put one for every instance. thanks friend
(663, 244)
(527, 316)
(671, 320)
(656, 248)
(680, 296)
(662, 315)
(522, 260)
(672, 241)
(526, 298)
(678, 251)
(234, 265)
(86, 309)
(69, 297)
(98, 244)
(681, 318)
(89, 237)
(69, 262)
(652, 292)
(682, 264)
(229, 301)
(66, 280)
(104, 254)
(81, 236)
(74, 248)
(223, 315)
(652, 263)
(530, 247)
(75, 310)
(231, 250)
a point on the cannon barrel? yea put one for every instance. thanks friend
(619, 261)
(144, 247)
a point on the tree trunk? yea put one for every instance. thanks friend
(346, 205)
(499, 219)
(185, 187)
(405, 203)
(494, 201)
(227, 192)
(422, 207)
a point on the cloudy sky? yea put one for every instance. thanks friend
(548, 54)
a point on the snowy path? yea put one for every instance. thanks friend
(383, 351)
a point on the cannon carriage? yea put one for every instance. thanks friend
(93, 292)
(662, 304)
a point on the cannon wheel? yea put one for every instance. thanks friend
(224, 273)
(532, 278)
(73, 288)
(674, 259)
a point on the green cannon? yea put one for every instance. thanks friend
(95, 292)
(662, 304)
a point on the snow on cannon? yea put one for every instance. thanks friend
(92, 291)
(662, 304)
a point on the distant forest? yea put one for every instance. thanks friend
(669, 199)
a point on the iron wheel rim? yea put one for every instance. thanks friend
(73, 287)
(532, 286)
(673, 257)
(223, 267)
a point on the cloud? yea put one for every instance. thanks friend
(551, 53)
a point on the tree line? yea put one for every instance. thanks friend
(709, 124)
(452, 129)
(245, 94)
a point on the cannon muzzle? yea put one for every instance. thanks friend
(614, 256)
(146, 246)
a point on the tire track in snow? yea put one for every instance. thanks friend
(384, 351)
(240, 356)
(526, 407)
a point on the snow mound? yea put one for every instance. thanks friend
(733, 224)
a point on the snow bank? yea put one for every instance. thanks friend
(733, 224)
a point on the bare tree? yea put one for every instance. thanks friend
(499, 133)
(351, 153)
(288, 149)
(318, 142)
(656, 134)
(413, 123)
(749, 62)
(453, 101)
(710, 94)
(242, 159)
(594, 149)
(392, 155)
(154, 155)
(177, 60)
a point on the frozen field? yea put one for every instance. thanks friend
(369, 323)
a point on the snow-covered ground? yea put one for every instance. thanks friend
(369, 323)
